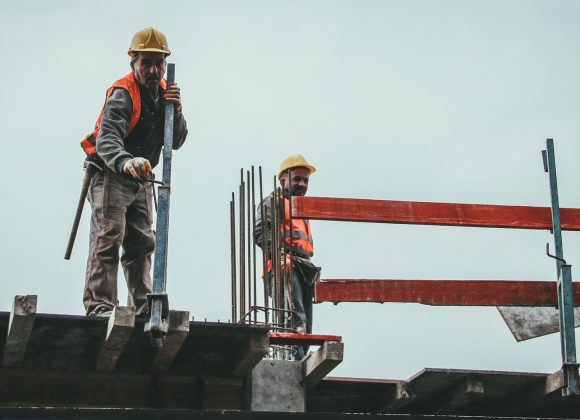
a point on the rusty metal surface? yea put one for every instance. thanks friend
(441, 292)
(428, 213)
(283, 338)
(527, 323)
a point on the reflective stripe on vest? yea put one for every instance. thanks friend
(301, 236)
(89, 143)
(302, 241)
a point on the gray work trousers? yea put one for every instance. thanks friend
(302, 295)
(122, 215)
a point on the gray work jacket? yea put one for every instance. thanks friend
(111, 142)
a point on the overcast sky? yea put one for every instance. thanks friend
(447, 101)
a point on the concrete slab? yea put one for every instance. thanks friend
(526, 323)
(278, 385)
(71, 343)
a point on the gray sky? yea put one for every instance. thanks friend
(446, 101)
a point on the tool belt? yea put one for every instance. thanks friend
(294, 252)
(93, 165)
(310, 273)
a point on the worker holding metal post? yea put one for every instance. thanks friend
(296, 246)
(122, 151)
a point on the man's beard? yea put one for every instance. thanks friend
(298, 191)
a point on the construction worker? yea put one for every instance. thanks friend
(122, 150)
(293, 175)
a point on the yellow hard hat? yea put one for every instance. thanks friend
(294, 161)
(149, 39)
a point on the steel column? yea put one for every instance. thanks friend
(157, 326)
(564, 280)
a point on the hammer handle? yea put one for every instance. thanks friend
(80, 206)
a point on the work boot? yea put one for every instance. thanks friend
(101, 311)
(144, 314)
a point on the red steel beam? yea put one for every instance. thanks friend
(301, 339)
(442, 292)
(424, 213)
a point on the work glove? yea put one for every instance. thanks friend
(137, 167)
(172, 95)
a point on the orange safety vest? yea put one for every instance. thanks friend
(301, 235)
(89, 143)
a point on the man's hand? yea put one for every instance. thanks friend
(137, 167)
(172, 95)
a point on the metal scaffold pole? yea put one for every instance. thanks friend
(157, 326)
(564, 281)
(233, 256)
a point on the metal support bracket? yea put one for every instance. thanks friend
(164, 299)
(157, 327)
(564, 282)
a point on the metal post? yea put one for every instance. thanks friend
(564, 282)
(283, 270)
(233, 256)
(291, 240)
(158, 302)
(254, 246)
(249, 232)
(279, 316)
(242, 250)
(275, 256)
(264, 250)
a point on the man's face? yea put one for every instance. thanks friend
(298, 181)
(149, 69)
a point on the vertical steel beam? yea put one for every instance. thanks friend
(290, 255)
(242, 248)
(265, 251)
(233, 257)
(249, 233)
(158, 302)
(253, 230)
(564, 281)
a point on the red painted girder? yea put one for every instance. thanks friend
(280, 338)
(442, 292)
(425, 213)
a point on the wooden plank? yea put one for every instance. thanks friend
(119, 330)
(19, 330)
(279, 338)
(178, 329)
(465, 392)
(442, 292)
(251, 352)
(320, 363)
(426, 213)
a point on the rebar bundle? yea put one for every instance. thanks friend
(272, 307)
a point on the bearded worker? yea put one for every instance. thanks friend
(297, 247)
(122, 150)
